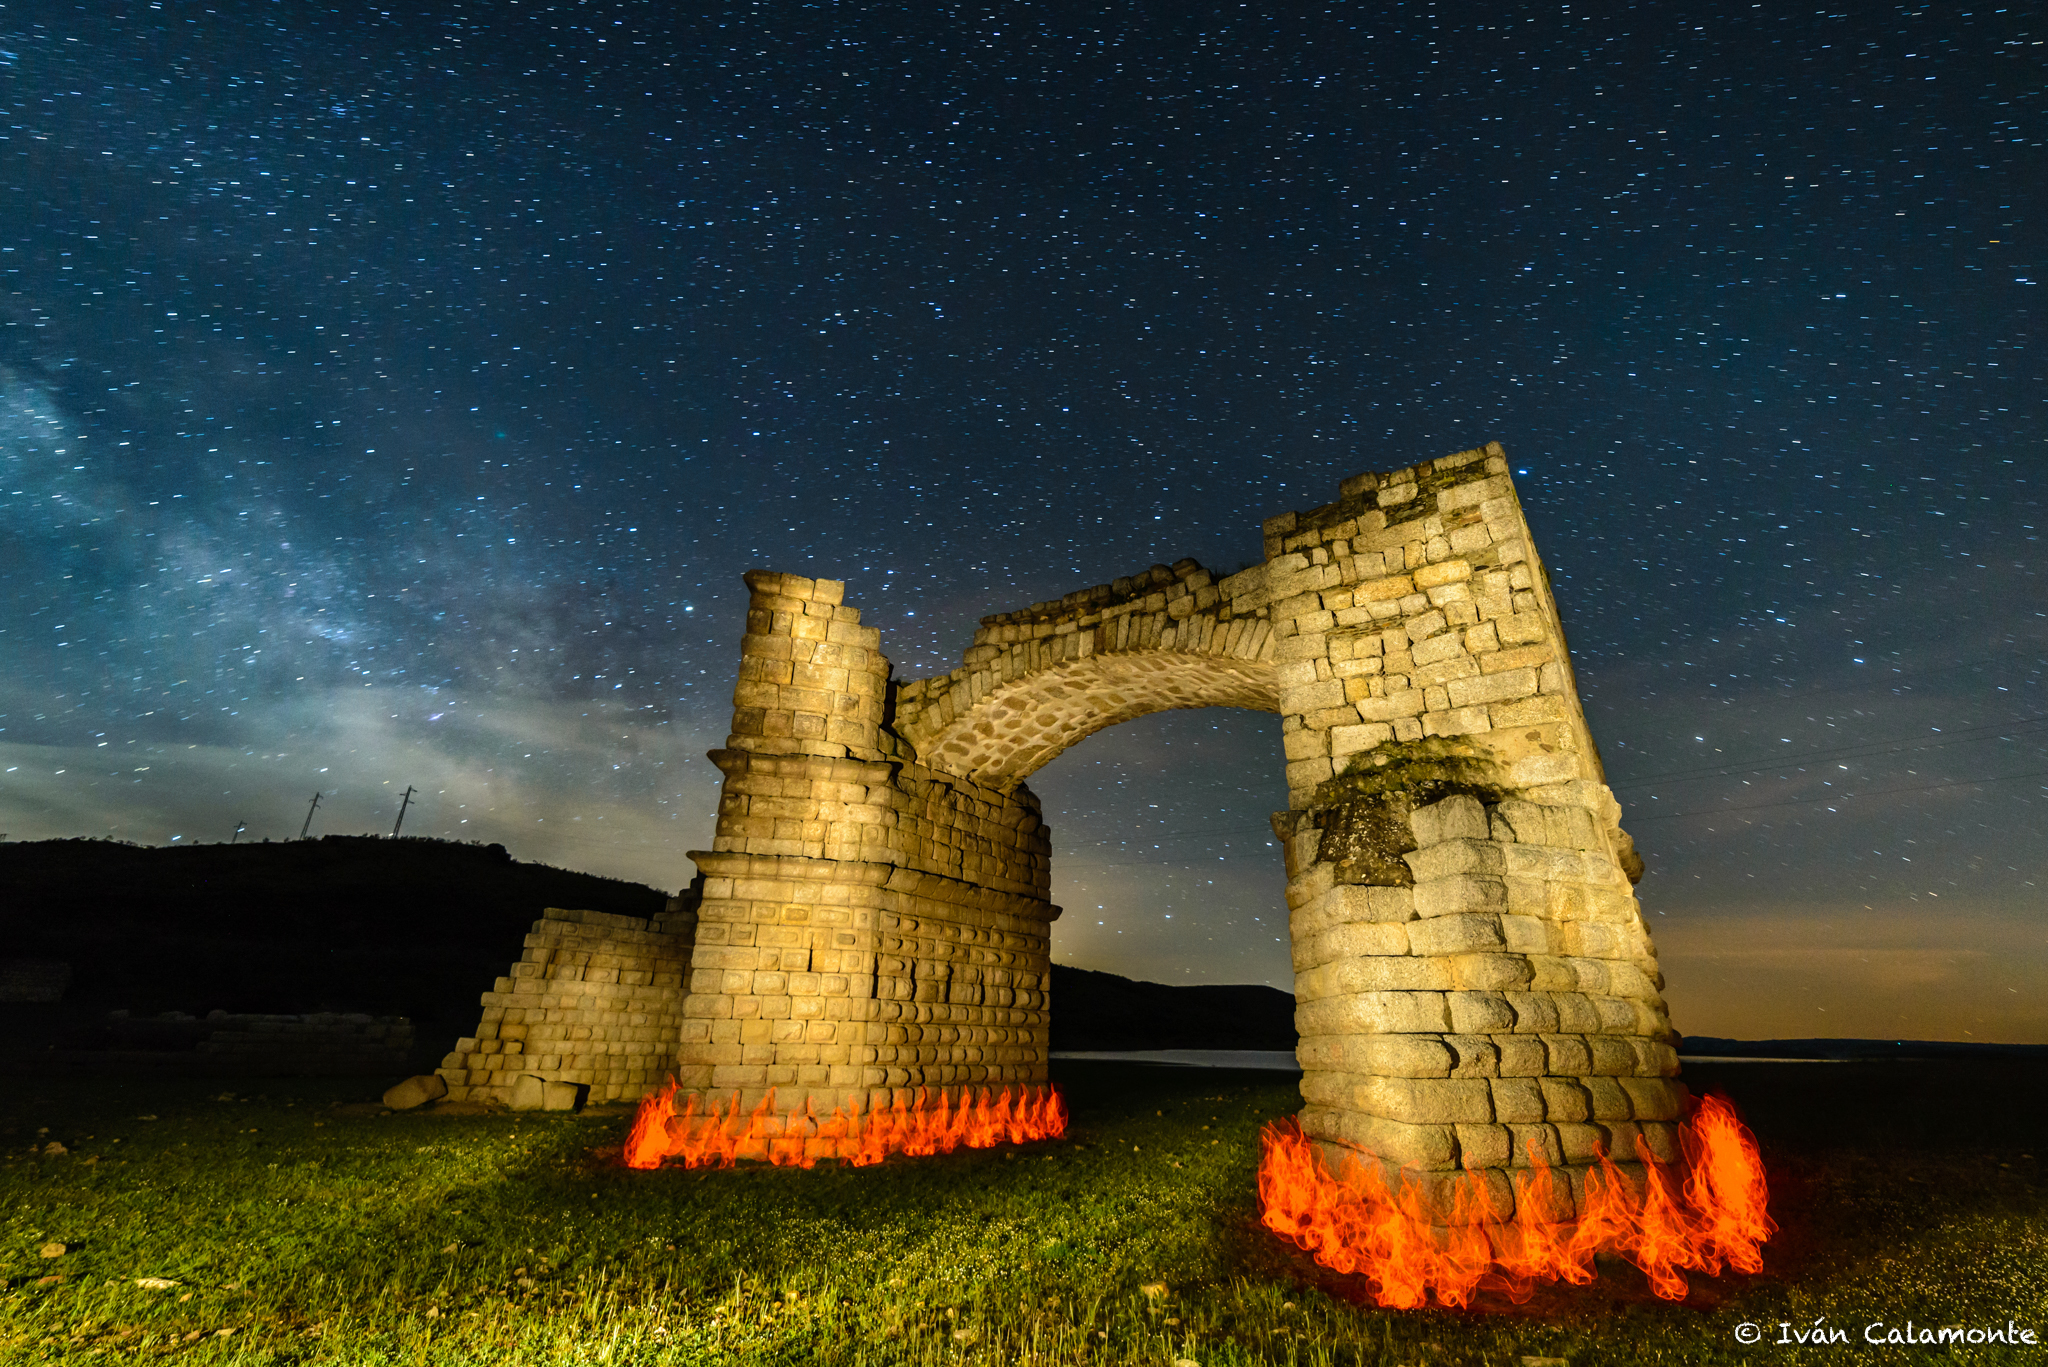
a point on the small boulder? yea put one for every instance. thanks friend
(529, 1093)
(416, 1091)
(54, 1250)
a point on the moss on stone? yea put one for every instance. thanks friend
(1419, 771)
(1363, 812)
(1366, 840)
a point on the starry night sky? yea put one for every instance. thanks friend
(393, 398)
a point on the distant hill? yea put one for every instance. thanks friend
(414, 927)
(1093, 1010)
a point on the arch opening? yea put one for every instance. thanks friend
(1163, 854)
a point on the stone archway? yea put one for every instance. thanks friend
(1474, 981)
(1037, 681)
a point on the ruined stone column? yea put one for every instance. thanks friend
(1474, 979)
(595, 1001)
(868, 927)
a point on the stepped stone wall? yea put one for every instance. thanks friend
(596, 999)
(1474, 986)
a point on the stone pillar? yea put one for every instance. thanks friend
(786, 925)
(868, 926)
(1473, 974)
(811, 677)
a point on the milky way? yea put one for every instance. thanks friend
(392, 400)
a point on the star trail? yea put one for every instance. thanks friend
(393, 398)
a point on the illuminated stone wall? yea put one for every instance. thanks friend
(1473, 976)
(596, 999)
(1474, 981)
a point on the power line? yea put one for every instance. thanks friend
(404, 802)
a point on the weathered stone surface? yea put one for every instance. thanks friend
(1456, 818)
(1366, 841)
(416, 1091)
(1346, 904)
(1461, 894)
(1406, 1055)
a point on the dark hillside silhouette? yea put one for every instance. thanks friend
(414, 927)
(1093, 1010)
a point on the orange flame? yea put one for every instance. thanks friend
(719, 1139)
(1353, 1223)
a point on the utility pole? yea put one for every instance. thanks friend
(309, 816)
(240, 826)
(403, 803)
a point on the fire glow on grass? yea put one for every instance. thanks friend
(1352, 1223)
(717, 1138)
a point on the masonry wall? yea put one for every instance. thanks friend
(869, 926)
(1505, 1001)
(842, 985)
(596, 999)
(1474, 975)
(1415, 606)
(1037, 681)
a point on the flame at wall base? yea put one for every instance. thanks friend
(718, 1137)
(1710, 1216)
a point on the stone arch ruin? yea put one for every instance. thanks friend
(1474, 980)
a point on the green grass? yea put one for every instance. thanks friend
(301, 1233)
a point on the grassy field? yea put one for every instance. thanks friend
(297, 1225)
